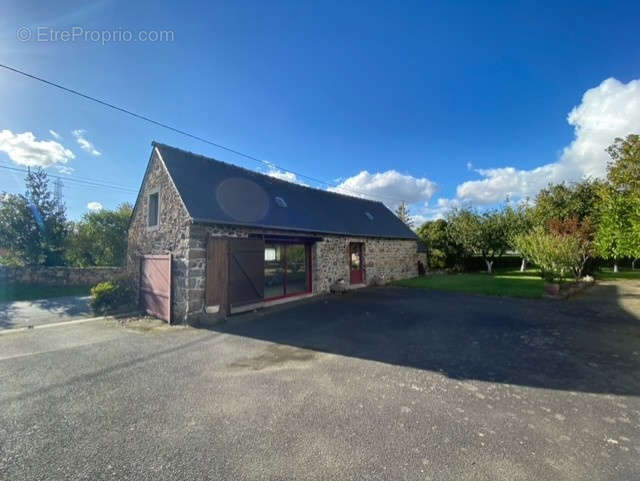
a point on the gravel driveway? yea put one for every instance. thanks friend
(382, 383)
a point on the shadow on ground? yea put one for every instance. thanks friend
(24, 313)
(589, 344)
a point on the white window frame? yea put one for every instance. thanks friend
(149, 194)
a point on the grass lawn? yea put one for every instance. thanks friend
(28, 292)
(512, 283)
(607, 273)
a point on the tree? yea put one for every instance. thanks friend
(635, 230)
(15, 232)
(581, 239)
(519, 220)
(402, 212)
(623, 171)
(555, 254)
(33, 226)
(100, 238)
(484, 234)
(442, 250)
(617, 232)
(571, 206)
(565, 201)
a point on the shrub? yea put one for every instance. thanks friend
(556, 255)
(112, 296)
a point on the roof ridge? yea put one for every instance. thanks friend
(253, 172)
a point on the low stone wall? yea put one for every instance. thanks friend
(59, 276)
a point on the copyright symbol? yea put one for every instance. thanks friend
(24, 34)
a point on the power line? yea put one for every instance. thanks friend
(78, 178)
(187, 134)
(78, 181)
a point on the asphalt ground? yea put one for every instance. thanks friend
(382, 383)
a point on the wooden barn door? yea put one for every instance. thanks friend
(217, 283)
(155, 286)
(246, 271)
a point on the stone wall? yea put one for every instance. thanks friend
(59, 276)
(170, 236)
(384, 260)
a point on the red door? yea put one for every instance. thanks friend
(355, 263)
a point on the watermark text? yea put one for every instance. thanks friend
(80, 34)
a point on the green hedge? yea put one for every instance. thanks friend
(476, 263)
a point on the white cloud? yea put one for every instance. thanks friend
(390, 187)
(283, 175)
(438, 211)
(24, 149)
(612, 109)
(64, 169)
(55, 134)
(274, 171)
(84, 143)
(94, 206)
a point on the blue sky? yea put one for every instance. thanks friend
(437, 104)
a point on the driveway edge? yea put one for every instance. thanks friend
(64, 323)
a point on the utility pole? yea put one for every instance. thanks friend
(57, 192)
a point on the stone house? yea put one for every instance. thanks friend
(239, 239)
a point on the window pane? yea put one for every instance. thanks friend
(273, 270)
(153, 209)
(297, 265)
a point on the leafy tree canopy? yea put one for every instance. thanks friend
(623, 171)
(485, 234)
(100, 238)
(33, 226)
(442, 249)
(565, 201)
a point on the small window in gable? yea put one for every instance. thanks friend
(153, 210)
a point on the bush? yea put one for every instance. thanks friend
(556, 255)
(113, 296)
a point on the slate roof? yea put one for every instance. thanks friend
(216, 192)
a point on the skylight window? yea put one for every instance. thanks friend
(280, 201)
(369, 215)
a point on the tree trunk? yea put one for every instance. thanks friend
(615, 266)
(633, 264)
(523, 266)
(489, 265)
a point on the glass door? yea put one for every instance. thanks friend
(286, 270)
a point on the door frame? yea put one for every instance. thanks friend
(308, 254)
(361, 271)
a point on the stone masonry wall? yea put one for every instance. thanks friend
(59, 276)
(384, 260)
(171, 236)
